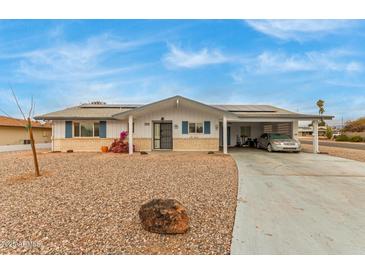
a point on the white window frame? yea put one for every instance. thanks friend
(84, 121)
(196, 128)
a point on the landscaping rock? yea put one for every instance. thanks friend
(164, 216)
(144, 152)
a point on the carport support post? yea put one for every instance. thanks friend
(315, 137)
(130, 134)
(224, 134)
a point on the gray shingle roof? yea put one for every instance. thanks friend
(82, 112)
(106, 111)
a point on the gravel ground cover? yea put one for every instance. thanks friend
(352, 154)
(87, 203)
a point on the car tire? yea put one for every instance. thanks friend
(269, 148)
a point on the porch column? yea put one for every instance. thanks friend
(315, 137)
(224, 134)
(130, 134)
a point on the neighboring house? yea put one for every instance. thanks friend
(175, 123)
(308, 131)
(13, 132)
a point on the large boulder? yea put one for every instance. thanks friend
(164, 216)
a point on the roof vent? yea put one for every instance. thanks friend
(97, 103)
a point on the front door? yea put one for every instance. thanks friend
(162, 135)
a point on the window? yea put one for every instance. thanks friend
(195, 127)
(96, 129)
(199, 128)
(192, 128)
(246, 131)
(77, 129)
(86, 129)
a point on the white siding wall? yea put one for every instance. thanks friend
(256, 130)
(59, 129)
(176, 115)
(113, 128)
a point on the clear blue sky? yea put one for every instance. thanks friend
(287, 63)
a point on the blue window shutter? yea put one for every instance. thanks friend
(206, 127)
(102, 129)
(68, 129)
(185, 127)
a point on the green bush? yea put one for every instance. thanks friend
(342, 138)
(356, 138)
(329, 132)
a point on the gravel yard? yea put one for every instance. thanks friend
(347, 153)
(87, 203)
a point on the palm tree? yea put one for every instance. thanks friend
(321, 110)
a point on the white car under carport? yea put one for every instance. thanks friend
(278, 142)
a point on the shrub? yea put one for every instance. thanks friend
(342, 138)
(355, 126)
(356, 138)
(119, 145)
(329, 132)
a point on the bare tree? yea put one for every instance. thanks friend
(28, 125)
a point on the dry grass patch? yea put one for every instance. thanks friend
(347, 153)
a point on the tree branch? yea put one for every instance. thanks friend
(17, 103)
(31, 107)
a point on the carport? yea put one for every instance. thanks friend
(251, 121)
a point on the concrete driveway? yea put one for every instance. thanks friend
(9, 148)
(298, 204)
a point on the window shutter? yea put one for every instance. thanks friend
(206, 127)
(185, 127)
(102, 129)
(68, 129)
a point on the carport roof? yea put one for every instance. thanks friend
(267, 111)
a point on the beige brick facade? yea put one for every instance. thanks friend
(81, 144)
(95, 144)
(142, 144)
(195, 144)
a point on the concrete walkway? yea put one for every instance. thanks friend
(9, 148)
(298, 204)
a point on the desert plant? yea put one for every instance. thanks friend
(329, 132)
(355, 126)
(356, 138)
(123, 135)
(119, 145)
(342, 138)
